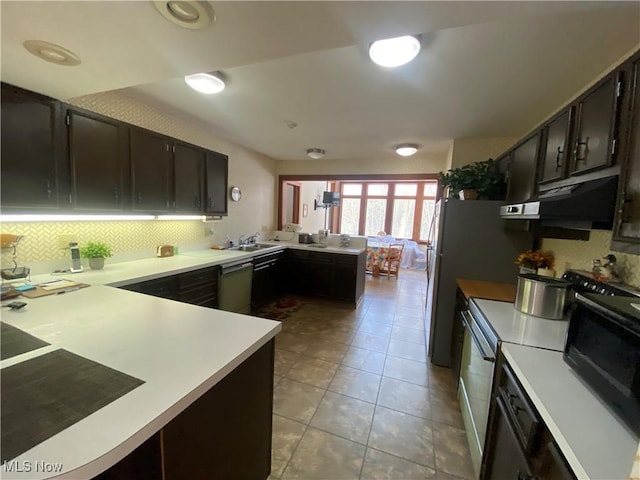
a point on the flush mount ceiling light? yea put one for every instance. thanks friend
(406, 149)
(205, 83)
(190, 14)
(51, 52)
(315, 153)
(394, 52)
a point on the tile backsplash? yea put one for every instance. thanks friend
(571, 254)
(40, 242)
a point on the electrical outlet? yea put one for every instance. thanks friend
(63, 240)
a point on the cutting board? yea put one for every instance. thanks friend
(54, 288)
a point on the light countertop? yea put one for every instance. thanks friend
(124, 273)
(179, 350)
(596, 444)
(513, 326)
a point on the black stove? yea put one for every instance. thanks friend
(583, 282)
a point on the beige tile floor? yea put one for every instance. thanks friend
(356, 398)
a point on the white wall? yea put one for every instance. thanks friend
(394, 164)
(253, 172)
(315, 219)
(469, 150)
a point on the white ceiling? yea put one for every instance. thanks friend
(487, 69)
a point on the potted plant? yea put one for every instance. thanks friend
(96, 252)
(483, 177)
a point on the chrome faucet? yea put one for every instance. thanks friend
(249, 239)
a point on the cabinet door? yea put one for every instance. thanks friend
(30, 150)
(596, 125)
(99, 158)
(188, 166)
(150, 171)
(627, 223)
(555, 147)
(321, 275)
(298, 272)
(522, 170)
(216, 184)
(505, 458)
(344, 272)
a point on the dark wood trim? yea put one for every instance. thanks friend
(296, 201)
(392, 177)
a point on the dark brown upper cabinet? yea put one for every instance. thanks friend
(523, 162)
(555, 146)
(151, 171)
(99, 161)
(31, 150)
(626, 231)
(216, 186)
(188, 166)
(596, 126)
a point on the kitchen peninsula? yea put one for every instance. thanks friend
(205, 396)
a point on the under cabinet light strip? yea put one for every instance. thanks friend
(84, 218)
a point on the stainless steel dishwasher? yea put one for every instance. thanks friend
(235, 287)
(479, 351)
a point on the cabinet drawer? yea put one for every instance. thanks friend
(523, 415)
(349, 260)
(165, 287)
(203, 276)
(270, 257)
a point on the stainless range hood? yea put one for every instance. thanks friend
(588, 204)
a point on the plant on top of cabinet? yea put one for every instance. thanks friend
(483, 176)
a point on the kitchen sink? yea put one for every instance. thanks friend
(251, 248)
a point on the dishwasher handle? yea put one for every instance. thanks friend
(235, 268)
(474, 336)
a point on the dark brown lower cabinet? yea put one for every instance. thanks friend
(508, 460)
(225, 434)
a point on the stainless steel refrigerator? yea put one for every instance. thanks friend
(468, 240)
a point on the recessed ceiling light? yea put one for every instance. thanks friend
(205, 83)
(394, 52)
(315, 153)
(190, 14)
(51, 52)
(406, 149)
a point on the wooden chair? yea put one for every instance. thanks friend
(391, 266)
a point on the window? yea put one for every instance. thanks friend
(402, 209)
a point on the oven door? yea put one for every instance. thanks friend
(474, 391)
(603, 348)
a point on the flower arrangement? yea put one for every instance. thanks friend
(535, 259)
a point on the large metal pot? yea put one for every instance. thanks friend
(544, 297)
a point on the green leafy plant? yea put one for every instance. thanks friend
(483, 176)
(96, 250)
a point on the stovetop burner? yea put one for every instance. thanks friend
(583, 282)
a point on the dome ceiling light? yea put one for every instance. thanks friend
(205, 83)
(50, 52)
(190, 14)
(406, 149)
(315, 153)
(393, 52)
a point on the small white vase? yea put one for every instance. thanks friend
(546, 272)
